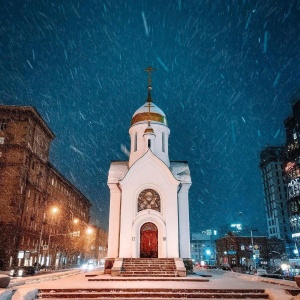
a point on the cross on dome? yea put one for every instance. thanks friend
(149, 129)
(149, 112)
(149, 70)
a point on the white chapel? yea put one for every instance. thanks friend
(149, 202)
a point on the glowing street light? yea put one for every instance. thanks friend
(89, 230)
(54, 209)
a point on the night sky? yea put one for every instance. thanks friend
(225, 75)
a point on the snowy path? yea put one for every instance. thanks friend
(219, 280)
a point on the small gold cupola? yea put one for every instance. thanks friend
(149, 129)
(142, 114)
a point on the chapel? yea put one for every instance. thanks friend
(149, 201)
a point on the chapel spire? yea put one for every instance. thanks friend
(149, 70)
(149, 129)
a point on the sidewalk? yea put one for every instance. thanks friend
(18, 283)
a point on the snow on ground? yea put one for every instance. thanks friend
(219, 279)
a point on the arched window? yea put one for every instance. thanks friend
(149, 199)
(135, 142)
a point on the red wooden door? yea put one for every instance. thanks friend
(148, 241)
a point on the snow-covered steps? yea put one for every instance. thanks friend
(146, 293)
(149, 267)
(160, 279)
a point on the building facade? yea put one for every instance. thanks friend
(275, 191)
(149, 211)
(43, 217)
(203, 250)
(292, 170)
(247, 252)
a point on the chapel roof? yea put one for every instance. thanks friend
(179, 169)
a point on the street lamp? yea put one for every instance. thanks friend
(225, 260)
(208, 253)
(254, 259)
(89, 230)
(54, 210)
(75, 233)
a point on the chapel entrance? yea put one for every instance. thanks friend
(148, 241)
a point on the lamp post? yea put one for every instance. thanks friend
(208, 253)
(54, 210)
(75, 233)
(89, 231)
(225, 260)
(40, 242)
(254, 259)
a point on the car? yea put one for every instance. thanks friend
(260, 272)
(211, 267)
(88, 266)
(274, 276)
(226, 267)
(22, 271)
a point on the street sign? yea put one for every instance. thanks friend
(256, 247)
(256, 253)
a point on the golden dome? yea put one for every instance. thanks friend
(156, 115)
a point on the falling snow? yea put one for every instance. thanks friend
(225, 74)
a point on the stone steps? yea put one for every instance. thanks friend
(169, 279)
(147, 274)
(132, 294)
(150, 267)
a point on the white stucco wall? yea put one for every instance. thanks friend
(149, 172)
(142, 146)
(114, 221)
(184, 225)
